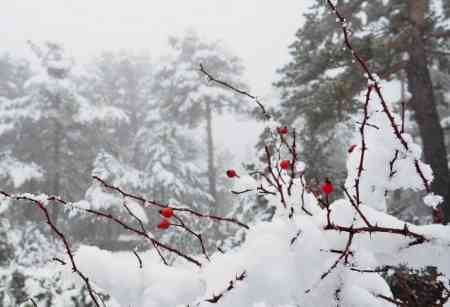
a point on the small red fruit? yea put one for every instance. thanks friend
(285, 164)
(351, 148)
(231, 173)
(327, 187)
(282, 130)
(164, 224)
(166, 212)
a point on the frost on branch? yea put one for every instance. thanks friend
(315, 251)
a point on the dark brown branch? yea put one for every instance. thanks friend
(296, 237)
(279, 185)
(375, 84)
(393, 301)
(60, 261)
(235, 89)
(356, 207)
(63, 239)
(380, 270)
(145, 203)
(392, 172)
(141, 224)
(198, 236)
(293, 151)
(231, 285)
(363, 145)
(242, 192)
(379, 229)
(138, 258)
(344, 256)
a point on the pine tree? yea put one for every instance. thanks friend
(144, 153)
(122, 81)
(13, 76)
(187, 99)
(50, 125)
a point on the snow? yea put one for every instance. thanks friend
(154, 285)
(381, 146)
(332, 73)
(445, 122)
(89, 113)
(278, 273)
(432, 200)
(19, 172)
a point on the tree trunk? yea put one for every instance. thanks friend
(423, 104)
(211, 166)
(56, 159)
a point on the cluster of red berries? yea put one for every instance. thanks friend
(327, 187)
(167, 213)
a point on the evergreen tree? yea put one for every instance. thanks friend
(187, 99)
(144, 153)
(13, 76)
(121, 81)
(49, 128)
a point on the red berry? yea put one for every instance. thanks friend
(327, 187)
(164, 224)
(351, 148)
(282, 130)
(285, 164)
(166, 212)
(231, 173)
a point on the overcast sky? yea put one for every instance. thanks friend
(258, 31)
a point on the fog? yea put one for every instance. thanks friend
(259, 32)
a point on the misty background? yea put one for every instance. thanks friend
(257, 31)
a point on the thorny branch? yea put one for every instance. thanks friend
(369, 228)
(374, 82)
(139, 259)
(275, 178)
(363, 144)
(138, 231)
(152, 203)
(62, 237)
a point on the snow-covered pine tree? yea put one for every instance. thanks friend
(13, 75)
(49, 123)
(122, 80)
(188, 99)
(144, 153)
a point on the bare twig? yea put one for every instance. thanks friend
(138, 258)
(235, 89)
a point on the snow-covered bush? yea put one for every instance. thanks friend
(313, 251)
